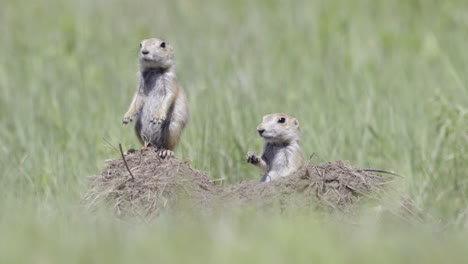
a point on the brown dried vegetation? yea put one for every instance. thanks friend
(160, 185)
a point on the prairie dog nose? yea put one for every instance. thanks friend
(144, 52)
(260, 131)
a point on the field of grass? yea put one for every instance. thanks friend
(380, 83)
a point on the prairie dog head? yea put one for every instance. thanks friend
(156, 53)
(279, 128)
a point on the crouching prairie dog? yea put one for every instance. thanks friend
(282, 154)
(159, 105)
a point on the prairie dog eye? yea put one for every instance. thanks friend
(163, 44)
(282, 120)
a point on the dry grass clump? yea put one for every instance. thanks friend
(156, 185)
(159, 184)
(333, 185)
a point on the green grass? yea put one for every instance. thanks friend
(379, 83)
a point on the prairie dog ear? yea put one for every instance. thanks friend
(296, 123)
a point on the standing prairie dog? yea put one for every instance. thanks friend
(159, 104)
(282, 154)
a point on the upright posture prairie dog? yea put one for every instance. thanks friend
(159, 105)
(282, 154)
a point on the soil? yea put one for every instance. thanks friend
(159, 184)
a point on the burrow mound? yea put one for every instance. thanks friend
(336, 186)
(159, 184)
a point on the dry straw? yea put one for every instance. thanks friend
(142, 184)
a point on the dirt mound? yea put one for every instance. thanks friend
(159, 184)
(333, 185)
(156, 185)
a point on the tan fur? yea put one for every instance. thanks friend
(159, 105)
(282, 154)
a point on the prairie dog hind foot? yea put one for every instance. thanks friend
(165, 153)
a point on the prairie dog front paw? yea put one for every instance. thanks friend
(252, 158)
(158, 117)
(128, 118)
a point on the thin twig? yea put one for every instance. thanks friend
(125, 161)
(381, 171)
(215, 180)
(319, 174)
(310, 158)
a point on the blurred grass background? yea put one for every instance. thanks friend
(380, 83)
